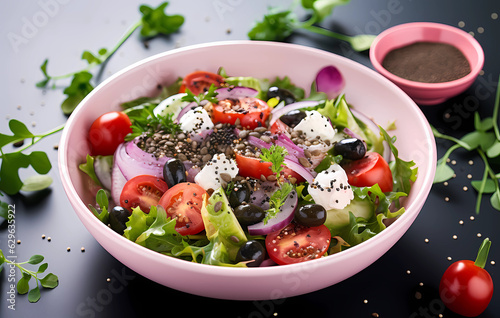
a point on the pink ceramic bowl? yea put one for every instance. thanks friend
(405, 34)
(368, 91)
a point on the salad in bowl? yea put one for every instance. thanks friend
(254, 192)
(244, 171)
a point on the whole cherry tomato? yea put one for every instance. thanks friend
(466, 287)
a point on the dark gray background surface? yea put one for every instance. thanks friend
(388, 287)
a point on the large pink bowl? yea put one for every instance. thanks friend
(368, 91)
(408, 33)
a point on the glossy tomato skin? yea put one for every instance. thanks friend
(279, 127)
(108, 131)
(296, 243)
(183, 201)
(255, 168)
(369, 170)
(142, 191)
(200, 81)
(466, 289)
(252, 112)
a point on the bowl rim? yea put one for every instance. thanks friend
(475, 69)
(411, 213)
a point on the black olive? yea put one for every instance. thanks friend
(282, 94)
(251, 251)
(350, 148)
(174, 172)
(240, 192)
(248, 214)
(118, 216)
(310, 215)
(293, 118)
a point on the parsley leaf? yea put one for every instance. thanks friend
(155, 21)
(276, 26)
(144, 121)
(79, 88)
(276, 156)
(277, 200)
(210, 96)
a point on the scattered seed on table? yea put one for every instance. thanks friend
(68, 249)
(447, 199)
(375, 315)
(49, 239)
(449, 258)
(472, 218)
(461, 222)
(18, 241)
(465, 188)
(455, 237)
(479, 235)
(426, 240)
(471, 162)
(469, 176)
(408, 272)
(492, 263)
(365, 301)
(43, 236)
(82, 249)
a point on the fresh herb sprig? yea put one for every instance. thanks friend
(11, 162)
(485, 140)
(276, 156)
(210, 96)
(153, 22)
(277, 25)
(48, 281)
(146, 122)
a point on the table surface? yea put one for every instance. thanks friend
(447, 229)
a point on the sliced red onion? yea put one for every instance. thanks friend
(373, 127)
(133, 161)
(282, 219)
(292, 154)
(277, 113)
(103, 166)
(235, 92)
(259, 143)
(290, 146)
(329, 80)
(185, 110)
(117, 182)
(308, 175)
(267, 262)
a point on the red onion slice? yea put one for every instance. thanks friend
(235, 92)
(308, 175)
(282, 219)
(117, 182)
(183, 111)
(329, 80)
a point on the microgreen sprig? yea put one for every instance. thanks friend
(485, 140)
(48, 281)
(277, 25)
(153, 22)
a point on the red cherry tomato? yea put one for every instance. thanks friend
(142, 191)
(252, 112)
(183, 201)
(467, 288)
(108, 131)
(200, 81)
(279, 127)
(296, 243)
(368, 171)
(255, 168)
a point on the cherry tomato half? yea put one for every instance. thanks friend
(200, 81)
(368, 171)
(252, 112)
(279, 127)
(142, 191)
(466, 288)
(296, 243)
(183, 201)
(108, 131)
(255, 168)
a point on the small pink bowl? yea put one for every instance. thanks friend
(406, 34)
